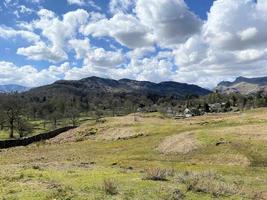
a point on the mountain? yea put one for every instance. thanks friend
(243, 85)
(94, 86)
(12, 88)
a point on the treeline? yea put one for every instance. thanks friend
(18, 110)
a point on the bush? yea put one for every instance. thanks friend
(110, 187)
(155, 174)
(207, 182)
(176, 195)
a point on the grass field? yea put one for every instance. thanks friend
(143, 157)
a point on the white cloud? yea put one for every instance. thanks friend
(241, 25)
(78, 2)
(232, 43)
(7, 32)
(81, 47)
(126, 29)
(250, 55)
(90, 3)
(248, 34)
(57, 32)
(139, 53)
(40, 51)
(26, 75)
(101, 58)
(170, 20)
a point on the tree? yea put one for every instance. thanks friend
(12, 106)
(72, 111)
(2, 120)
(23, 127)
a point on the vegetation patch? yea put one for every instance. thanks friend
(182, 143)
(119, 133)
(208, 182)
(155, 174)
(110, 186)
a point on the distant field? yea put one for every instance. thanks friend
(144, 157)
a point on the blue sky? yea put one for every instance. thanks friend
(181, 40)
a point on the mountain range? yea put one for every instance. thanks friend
(95, 85)
(244, 86)
(12, 88)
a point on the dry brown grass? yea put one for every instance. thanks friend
(119, 133)
(208, 182)
(110, 187)
(181, 143)
(259, 196)
(155, 174)
(83, 132)
(115, 128)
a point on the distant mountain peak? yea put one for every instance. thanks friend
(9, 88)
(243, 85)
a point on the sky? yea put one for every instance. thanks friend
(199, 42)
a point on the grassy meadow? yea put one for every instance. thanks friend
(143, 157)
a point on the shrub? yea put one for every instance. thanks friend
(155, 174)
(176, 195)
(110, 187)
(207, 182)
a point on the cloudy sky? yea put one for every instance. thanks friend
(195, 41)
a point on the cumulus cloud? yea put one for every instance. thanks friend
(228, 45)
(170, 20)
(27, 75)
(7, 32)
(78, 2)
(125, 29)
(90, 3)
(40, 51)
(81, 47)
(241, 25)
(101, 58)
(57, 32)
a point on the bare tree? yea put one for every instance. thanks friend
(72, 111)
(23, 127)
(12, 108)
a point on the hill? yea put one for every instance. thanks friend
(244, 86)
(12, 88)
(96, 85)
(96, 93)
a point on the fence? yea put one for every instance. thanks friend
(36, 138)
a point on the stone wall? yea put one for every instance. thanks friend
(36, 138)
